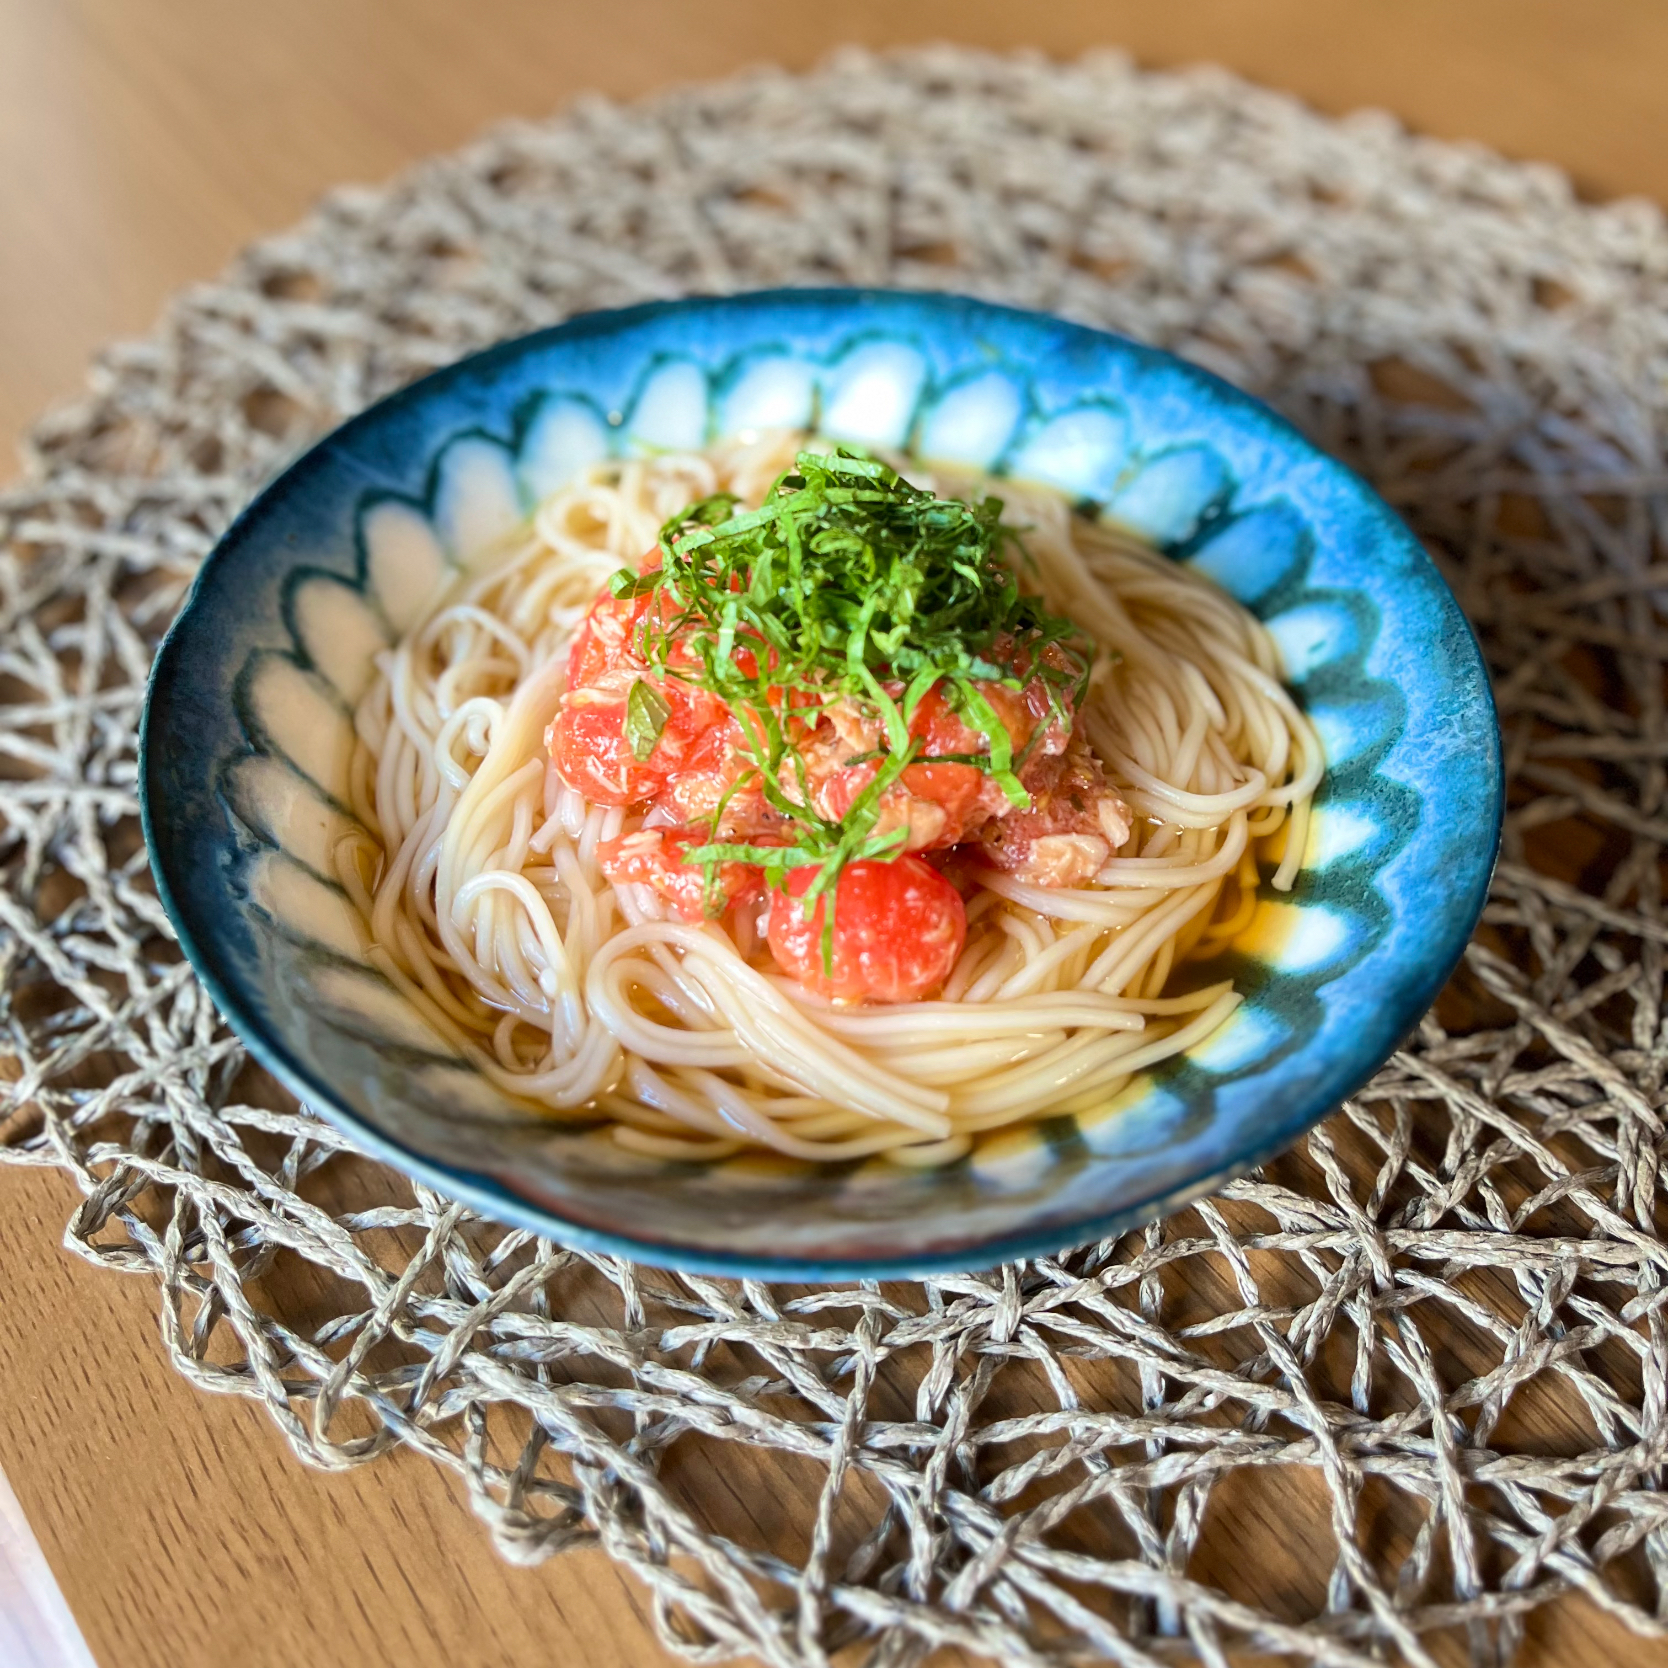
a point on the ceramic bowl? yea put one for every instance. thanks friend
(246, 740)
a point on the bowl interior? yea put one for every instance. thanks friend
(247, 737)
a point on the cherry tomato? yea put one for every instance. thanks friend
(898, 929)
(588, 741)
(655, 857)
(693, 713)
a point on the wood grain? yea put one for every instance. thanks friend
(184, 1534)
(141, 141)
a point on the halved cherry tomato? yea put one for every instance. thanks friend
(588, 741)
(898, 929)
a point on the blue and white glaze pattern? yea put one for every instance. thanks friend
(247, 738)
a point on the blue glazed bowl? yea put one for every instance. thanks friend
(246, 738)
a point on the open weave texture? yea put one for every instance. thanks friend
(1429, 1344)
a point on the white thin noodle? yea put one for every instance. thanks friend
(589, 1001)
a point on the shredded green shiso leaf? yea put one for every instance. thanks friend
(845, 579)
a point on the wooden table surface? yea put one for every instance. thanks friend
(141, 141)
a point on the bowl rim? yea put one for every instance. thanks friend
(497, 1202)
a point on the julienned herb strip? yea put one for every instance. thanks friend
(845, 580)
(645, 717)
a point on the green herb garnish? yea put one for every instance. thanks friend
(645, 717)
(847, 584)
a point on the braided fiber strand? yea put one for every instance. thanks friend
(1431, 1340)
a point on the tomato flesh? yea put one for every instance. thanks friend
(588, 743)
(899, 925)
(898, 930)
(606, 640)
(587, 738)
(657, 858)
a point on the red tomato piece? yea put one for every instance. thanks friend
(834, 794)
(693, 712)
(704, 776)
(943, 730)
(588, 743)
(898, 929)
(606, 640)
(955, 787)
(655, 857)
(935, 801)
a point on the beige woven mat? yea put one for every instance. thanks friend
(1431, 1340)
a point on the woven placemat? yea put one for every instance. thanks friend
(1433, 1336)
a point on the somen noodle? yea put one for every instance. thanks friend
(479, 877)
